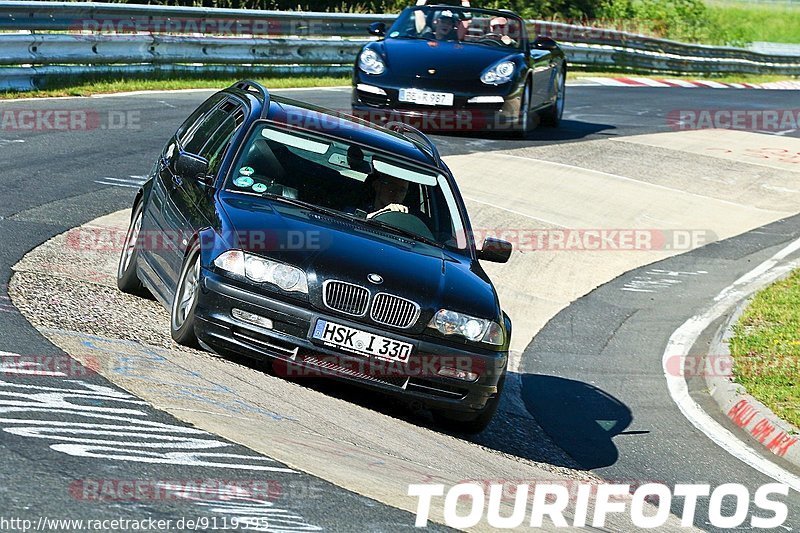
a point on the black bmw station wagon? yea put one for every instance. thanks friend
(326, 245)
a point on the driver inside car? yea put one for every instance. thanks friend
(499, 29)
(388, 193)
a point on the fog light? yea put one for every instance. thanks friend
(457, 374)
(370, 89)
(252, 318)
(486, 100)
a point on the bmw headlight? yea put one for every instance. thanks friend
(498, 73)
(261, 270)
(474, 329)
(370, 62)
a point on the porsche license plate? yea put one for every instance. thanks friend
(361, 342)
(416, 96)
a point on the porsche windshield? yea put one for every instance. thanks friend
(455, 24)
(350, 180)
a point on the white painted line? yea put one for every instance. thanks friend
(649, 82)
(117, 184)
(137, 181)
(684, 337)
(609, 82)
(712, 84)
(682, 83)
(640, 182)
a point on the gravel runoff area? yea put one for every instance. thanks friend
(66, 288)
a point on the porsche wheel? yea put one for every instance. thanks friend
(127, 279)
(184, 303)
(552, 115)
(523, 124)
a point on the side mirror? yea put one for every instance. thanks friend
(545, 43)
(377, 28)
(190, 166)
(495, 250)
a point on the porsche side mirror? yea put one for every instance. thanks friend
(191, 166)
(377, 28)
(495, 250)
(545, 43)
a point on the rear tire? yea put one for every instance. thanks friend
(184, 302)
(470, 423)
(127, 278)
(551, 116)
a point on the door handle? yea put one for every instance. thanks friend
(176, 182)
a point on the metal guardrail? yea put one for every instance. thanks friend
(63, 38)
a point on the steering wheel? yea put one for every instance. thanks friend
(492, 38)
(407, 222)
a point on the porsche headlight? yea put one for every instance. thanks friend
(370, 62)
(261, 270)
(474, 329)
(498, 73)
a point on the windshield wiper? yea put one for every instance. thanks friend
(401, 231)
(368, 221)
(306, 205)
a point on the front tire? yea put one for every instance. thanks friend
(524, 119)
(184, 302)
(127, 279)
(472, 423)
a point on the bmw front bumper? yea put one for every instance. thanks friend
(288, 342)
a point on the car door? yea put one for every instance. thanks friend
(157, 238)
(543, 65)
(189, 199)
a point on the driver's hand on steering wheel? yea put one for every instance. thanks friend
(400, 208)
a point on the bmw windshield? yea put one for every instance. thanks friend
(459, 25)
(349, 180)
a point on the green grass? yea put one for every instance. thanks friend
(766, 348)
(745, 23)
(87, 88)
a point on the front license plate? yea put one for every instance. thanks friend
(417, 96)
(361, 342)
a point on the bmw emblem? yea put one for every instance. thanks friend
(375, 278)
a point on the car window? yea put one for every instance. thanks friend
(465, 25)
(217, 145)
(338, 175)
(194, 119)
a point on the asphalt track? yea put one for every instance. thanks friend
(605, 348)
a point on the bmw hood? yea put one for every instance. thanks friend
(457, 62)
(329, 248)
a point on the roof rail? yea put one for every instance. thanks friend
(404, 129)
(253, 86)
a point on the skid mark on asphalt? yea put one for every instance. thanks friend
(88, 420)
(657, 280)
(5, 305)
